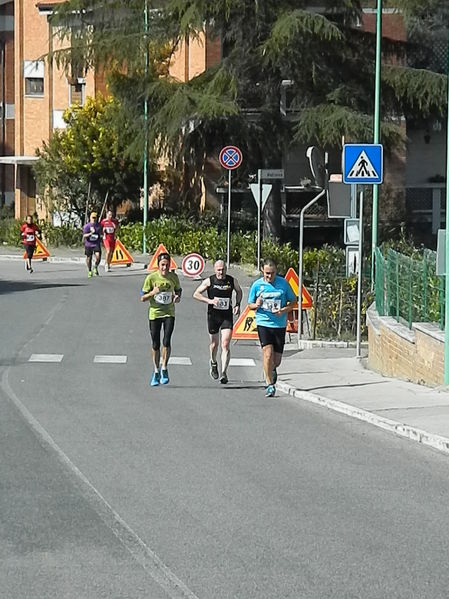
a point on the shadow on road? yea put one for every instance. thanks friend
(17, 286)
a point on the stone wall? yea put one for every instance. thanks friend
(415, 355)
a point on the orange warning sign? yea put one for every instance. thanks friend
(293, 280)
(40, 253)
(245, 327)
(160, 250)
(121, 254)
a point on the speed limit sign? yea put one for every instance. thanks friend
(193, 265)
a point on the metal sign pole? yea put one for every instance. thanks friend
(228, 242)
(259, 220)
(301, 252)
(359, 282)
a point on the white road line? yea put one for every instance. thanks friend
(110, 359)
(242, 362)
(46, 358)
(141, 552)
(180, 361)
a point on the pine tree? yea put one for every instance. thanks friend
(328, 59)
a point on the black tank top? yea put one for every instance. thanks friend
(221, 288)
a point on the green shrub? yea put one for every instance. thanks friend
(10, 232)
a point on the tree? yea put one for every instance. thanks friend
(328, 59)
(88, 159)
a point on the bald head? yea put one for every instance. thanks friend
(220, 269)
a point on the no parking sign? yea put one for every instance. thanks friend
(193, 265)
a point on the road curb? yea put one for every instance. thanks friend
(402, 430)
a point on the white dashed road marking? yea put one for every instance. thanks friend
(46, 358)
(110, 359)
(180, 361)
(242, 362)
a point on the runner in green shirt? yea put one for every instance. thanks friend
(163, 290)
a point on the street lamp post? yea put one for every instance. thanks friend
(145, 121)
(376, 129)
(446, 299)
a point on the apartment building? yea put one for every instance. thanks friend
(35, 93)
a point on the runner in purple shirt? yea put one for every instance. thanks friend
(92, 239)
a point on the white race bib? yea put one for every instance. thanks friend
(109, 230)
(223, 303)
(271, 305)
(30, 237)
(164, 297)
(93, 237)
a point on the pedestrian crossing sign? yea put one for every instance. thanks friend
(363, 164)
(120, 254)
(161, 249)
(40, 253)
(245, 326)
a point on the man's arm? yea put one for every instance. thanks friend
(253, 301)
(202, 287)
(178, 291)
(238, 296)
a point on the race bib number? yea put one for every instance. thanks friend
(30, 237)
(109, 230)
(93, 237)
(271, 305)
(164, 298)
(223, 303)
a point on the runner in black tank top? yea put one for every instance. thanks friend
(220, 315)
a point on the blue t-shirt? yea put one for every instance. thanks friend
(274, 295)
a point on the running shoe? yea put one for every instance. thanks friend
(96, 273)
(275, 376)
(164, 377)
(270, 391)
(31, 270)
(224, 378)
(213, 370)
(155, 379)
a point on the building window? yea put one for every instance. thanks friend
(34, 86)
(33, 72)
(77, 93)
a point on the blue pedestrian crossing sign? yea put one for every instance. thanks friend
(363, 164)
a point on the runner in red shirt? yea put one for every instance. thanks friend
(109, 226)
(29, 231)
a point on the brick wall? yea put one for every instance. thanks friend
(415, 355)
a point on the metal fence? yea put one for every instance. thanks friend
(408, 289)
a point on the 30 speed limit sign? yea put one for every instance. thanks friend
(193, 265)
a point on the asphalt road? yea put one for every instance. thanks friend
(110, 488)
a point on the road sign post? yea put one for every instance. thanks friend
(359, 281)
(230, 158)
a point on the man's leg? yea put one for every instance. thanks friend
(155, 332)
(97, 262)
(268, 363)
(169, 326)
(89, 263)
(213, 351)
(226, 335)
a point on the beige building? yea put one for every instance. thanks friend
(35, 92)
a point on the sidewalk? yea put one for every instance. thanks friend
(334, 378)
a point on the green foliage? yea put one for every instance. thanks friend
(10, 232)
(88, 159)
(263, 44)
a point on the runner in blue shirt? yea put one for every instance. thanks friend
(271, 297)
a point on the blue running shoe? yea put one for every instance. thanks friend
(164, 377)
(270, 391)
(155, 379)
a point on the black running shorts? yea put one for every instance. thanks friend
(215, 322)
(29, 249)
(90, 251)
(272, 336)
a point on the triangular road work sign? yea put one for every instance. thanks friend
(161, 249)
(40, 253)
(363, 168)
(121, 254)
(245, 326)
(293, 280)
(266, 190)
